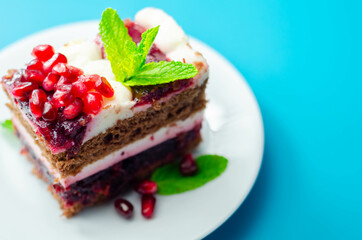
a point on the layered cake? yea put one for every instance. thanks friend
(92, 137)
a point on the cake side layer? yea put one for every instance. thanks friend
(117, 178)
(125, 132)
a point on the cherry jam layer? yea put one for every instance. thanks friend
(120, 177)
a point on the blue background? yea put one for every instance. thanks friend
(303, 61)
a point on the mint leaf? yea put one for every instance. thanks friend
(170, 181)
(147, 39)
(120, 49)
(7, 124)
(162, 72)
(128, 61)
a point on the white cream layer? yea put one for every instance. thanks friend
(132, 149)
(171, 40)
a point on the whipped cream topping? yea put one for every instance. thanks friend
(80, 52)
(171, 39)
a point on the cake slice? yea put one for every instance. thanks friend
(91, 137)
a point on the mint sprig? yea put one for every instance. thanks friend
(162, 72)
(170, 181)
(7, 124)
(128, 60)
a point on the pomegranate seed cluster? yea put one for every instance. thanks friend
(148, 188)
(50, 84)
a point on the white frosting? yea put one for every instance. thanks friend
(80, 52)
(132, 149)
(171, 39)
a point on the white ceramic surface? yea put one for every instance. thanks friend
(233, 128)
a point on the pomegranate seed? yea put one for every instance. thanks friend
(50, 82)
(66, 70)
(148, 205)
(37, 99)
(61, 69)
(79, 89)
(43, 52)
(147, 187)
(188, 166)
(124, 207)
(50, 111)
(34, 76)
(57, 58)
(92, 103)
(63, 81)
(35, 64)
(73, 109)
(74, 72)
(104, 88)
(89, 80)
(23, 89)
(62, 96)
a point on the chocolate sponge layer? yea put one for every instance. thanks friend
(179, 107)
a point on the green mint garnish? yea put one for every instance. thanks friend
(170, 181)
(7, 124)
(162, 72)
(128, 60)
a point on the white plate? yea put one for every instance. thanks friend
(233, 128)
